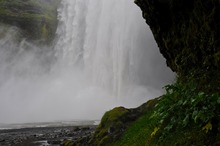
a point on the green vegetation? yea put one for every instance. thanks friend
(68, 143)
(36, 18)
(184, 116)
(138, 133)
(183, 108)
(112, 122)
(189, 113)
(115, 122)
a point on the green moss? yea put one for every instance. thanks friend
(138, 133)
(113, 115)
(188, 114)
(67, 143)
(111, 122)
(44, 33)
(37, 19)
(115, 122)
(104, 140)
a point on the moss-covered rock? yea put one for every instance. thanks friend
(115, 122)
(36, 18)
(111, 125)
(184, 116)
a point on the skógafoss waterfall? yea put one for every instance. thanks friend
(103, 56)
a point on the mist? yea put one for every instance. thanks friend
(104, 55)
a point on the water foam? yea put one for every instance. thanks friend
(104, 56)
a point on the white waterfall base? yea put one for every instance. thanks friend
(104, 56)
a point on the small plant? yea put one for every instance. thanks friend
(184, 105)
(155, 131)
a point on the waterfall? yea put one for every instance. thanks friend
(106, 38)
(71, 31)
(104, 55)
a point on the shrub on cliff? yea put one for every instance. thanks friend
(185, 115)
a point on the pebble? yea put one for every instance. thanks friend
(38, 136)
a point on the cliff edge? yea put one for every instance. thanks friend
(186, 31)
(37, 19)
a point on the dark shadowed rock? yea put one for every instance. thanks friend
(186, 31)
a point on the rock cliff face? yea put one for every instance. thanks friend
(36, 18)
(186, 31)
(188, 35)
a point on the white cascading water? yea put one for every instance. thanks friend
(104, 56)
(108, 39)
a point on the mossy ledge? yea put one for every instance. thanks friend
(36, 18)
(115, 122)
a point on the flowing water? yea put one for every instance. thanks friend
(104, 56)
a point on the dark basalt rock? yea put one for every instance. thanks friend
(186, 31)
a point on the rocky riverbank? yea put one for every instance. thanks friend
(52, 136)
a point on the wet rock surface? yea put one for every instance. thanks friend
(187, 32)
(53, 136)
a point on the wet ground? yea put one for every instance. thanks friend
(44, 136)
